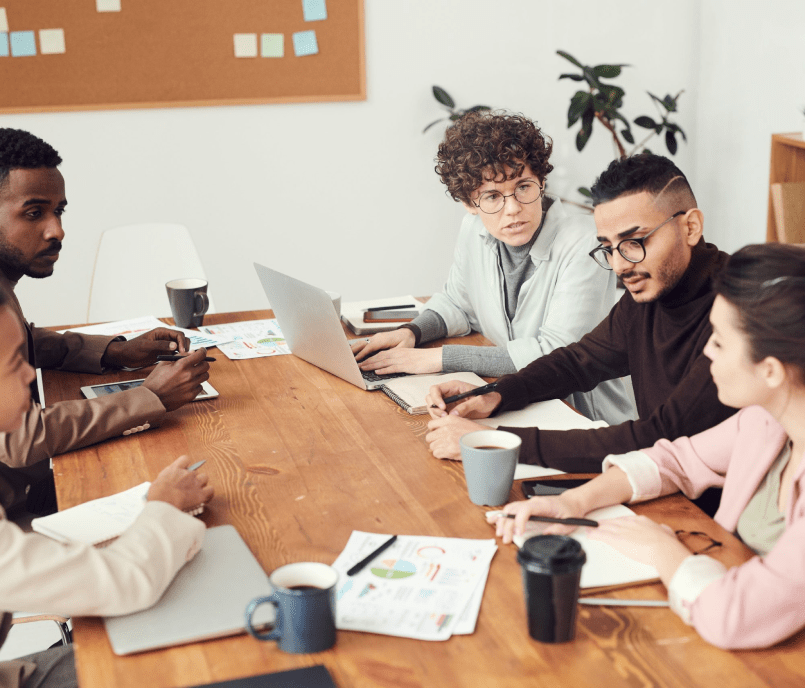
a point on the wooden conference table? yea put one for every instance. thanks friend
(299, 459)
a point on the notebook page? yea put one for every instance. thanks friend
(96, 521)
(413, 389)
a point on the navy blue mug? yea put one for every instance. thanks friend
(304, 595)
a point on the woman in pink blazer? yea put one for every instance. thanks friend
(758, 364)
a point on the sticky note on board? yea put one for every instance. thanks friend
(23, 43)
(245, 44)
(304, 43)
(272, 45)
(314, 10)
(3, 44)
(107, 5)
(3, 20)
(51, 41)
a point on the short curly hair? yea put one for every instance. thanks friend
(22, 150)
(481, 142)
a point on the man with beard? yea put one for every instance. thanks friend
(32, 202)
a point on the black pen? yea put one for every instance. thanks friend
(179, 357)
(363, 562)
(562, 521)
(390, 308)
(485, 389)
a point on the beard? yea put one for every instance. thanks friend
(12, 260)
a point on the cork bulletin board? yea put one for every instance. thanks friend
(109, 54)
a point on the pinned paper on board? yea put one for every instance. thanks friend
(23, 44)
(245, 44)
(314, 10)
(3, 20)
(4, 44)
(304, 43)
(51, 41)
(107, 5)
(272, 45)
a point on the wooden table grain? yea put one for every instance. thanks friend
(299, 459)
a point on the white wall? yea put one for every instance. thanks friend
(320, 189)
(751, 85)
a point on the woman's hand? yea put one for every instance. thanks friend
(560, 506)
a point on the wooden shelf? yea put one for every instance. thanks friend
(787, 166)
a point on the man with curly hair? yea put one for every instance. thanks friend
(521, 274)
(32, 202)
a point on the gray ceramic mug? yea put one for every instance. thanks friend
(188, 301)
(490, 459)
(304, 595)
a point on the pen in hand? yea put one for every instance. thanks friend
(561, 521)
(179, 357)
(478, 391)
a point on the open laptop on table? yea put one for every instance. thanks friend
(313, 329)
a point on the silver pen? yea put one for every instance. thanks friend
(607, 602)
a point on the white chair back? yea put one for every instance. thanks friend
(133, 264)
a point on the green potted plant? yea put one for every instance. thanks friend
(444, 99)
(602, 102)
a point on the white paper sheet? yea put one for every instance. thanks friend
(352, 313)
(418, 588)
(137, 326)
(548, 415)
(250, 339)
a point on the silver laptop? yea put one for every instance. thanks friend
(201, 602)
(312, 328)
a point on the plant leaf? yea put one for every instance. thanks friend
(432, 123)
(670, 142)
(443, 97)
(584, 191)
(645, 122)
(578, 104)
(627, 135)
(679, 129)
(575, 77)
(477, 108)
(570, 58)
(669, 102)
(607, 71)
(647, 150)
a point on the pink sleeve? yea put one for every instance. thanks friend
(756, 604)
(692, 464)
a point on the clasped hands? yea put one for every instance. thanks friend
(175, 383)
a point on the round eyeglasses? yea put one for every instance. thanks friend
(492, 202)
(633, 250)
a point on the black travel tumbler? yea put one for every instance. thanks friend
(551, 574)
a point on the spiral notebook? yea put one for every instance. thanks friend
(410, 392)
(99, 521)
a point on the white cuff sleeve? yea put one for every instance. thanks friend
(691, 578)
(642, 472)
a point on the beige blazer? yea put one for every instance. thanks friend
(67, 425)
(41, 575)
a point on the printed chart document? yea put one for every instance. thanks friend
(548, 415)
(426, 588)
(605, 566)
(137, 326)
(249, 339)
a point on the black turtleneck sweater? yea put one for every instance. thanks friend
(660, 344)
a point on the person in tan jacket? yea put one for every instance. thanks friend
(32, 202)
(41, 575)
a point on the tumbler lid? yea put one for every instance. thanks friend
(551, 554)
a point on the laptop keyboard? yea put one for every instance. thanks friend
(371, 376)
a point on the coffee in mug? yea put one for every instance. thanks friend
(490, 459)
(304, 595)
(188, 301)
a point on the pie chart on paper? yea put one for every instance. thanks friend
(394, 568)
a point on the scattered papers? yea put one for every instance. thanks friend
(548, 415)
(137, 326)
(426, 588)
(250, 339)
(605, 565)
